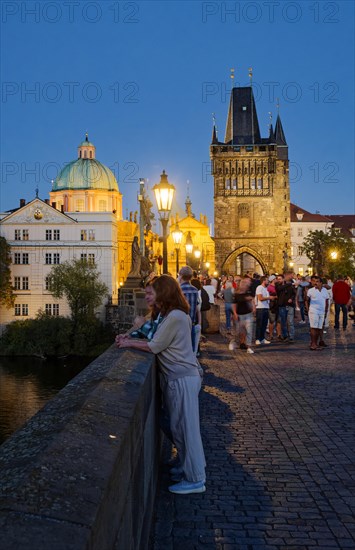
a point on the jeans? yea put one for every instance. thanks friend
(228, 306)
(246, 323)
(262, 317)
(301, 304)
(287, 318)
(344, 309)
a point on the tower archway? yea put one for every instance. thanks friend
(244, 259)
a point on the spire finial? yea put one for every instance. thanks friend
(232, 77)
(37, 191)
(188, 188)
(270, 119)
(251, 75)
(215, 123)
(278, 105)
(86, 136)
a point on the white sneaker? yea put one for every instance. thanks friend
(231, 346)
(265, 341)
(249, 350)
(257, 342)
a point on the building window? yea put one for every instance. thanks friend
(83, 235)
(300, 232)
(48, 258)
(252, 184)
(25, 258)
(52, 309)
(17, 234)
(21, 309)
(300, 250)
(89, 258)
(25, 283)
(260, 183)
(48, 234)
(17, 283)
(25, 234)
(102, 206)
(300, 271)
(46, 282)
(56, 258)
(56, 234)
(91, 234)
(79, 205)
(228, 184)
(17, 258)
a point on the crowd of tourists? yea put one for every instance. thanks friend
(261, 309)
(258, 309)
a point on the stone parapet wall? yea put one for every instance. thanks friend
(131, 304)
(82, 472)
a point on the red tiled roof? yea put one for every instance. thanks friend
(307, 216)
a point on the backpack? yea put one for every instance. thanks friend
(205, 301)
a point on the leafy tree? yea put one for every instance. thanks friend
(7, 297)
(79, 282)
(330, 252)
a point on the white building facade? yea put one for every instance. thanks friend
(302, 223)
(41, 237)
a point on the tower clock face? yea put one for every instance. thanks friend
(38, 214)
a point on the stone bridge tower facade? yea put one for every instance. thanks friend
(251, 189)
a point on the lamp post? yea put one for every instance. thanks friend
(197, 254)
(164, 193)
(141, 221)
(188, 246)
(177, 238)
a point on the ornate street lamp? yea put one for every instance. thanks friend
(177, 238)
(197, 254)
(164, 193)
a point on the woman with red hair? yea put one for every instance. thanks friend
(180, 382)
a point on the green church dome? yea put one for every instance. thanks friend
(85, 173)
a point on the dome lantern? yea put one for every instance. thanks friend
(86, 149)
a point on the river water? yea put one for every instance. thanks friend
(27, 383)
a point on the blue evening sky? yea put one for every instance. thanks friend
(144, 77)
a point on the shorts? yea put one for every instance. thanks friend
(316, 320)
(272, 316)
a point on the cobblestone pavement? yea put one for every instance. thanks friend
(278, 431)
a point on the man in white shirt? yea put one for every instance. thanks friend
(262, 302)
(317, 303)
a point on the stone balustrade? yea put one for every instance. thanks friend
(82, 472)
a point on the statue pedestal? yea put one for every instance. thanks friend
(131, 304)
(132, 282)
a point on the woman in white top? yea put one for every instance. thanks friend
(180, 382)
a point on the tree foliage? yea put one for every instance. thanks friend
(319, 246)
(79, 282)
(42, 336)
(7, 297)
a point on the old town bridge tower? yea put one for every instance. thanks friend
(251, 191)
